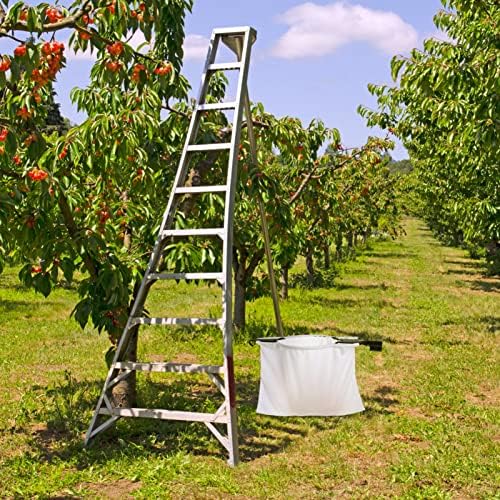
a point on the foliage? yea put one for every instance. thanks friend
(82, 200)
(445, 109)
(87, 201)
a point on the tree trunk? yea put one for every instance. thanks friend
(350, 240)
(338, 245)
(239, 299)
(326, 256)
(310, 266)
(239, 313)
(284, 282)
(365, 236)
(124, 394)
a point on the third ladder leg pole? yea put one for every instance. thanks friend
(265, 228)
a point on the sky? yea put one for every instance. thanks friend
(311, 59)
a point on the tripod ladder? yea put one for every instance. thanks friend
(238, 40)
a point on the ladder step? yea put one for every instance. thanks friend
(187, 276)
(209, 147)
(219, 231)
(224, 66)
(168, 367)
(200, 189)
(176, 321)
(165, 414)
(216, 105)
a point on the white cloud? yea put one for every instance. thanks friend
(195, 47)
(317, 30)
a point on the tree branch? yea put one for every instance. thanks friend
(66, 22)
(254, 262)
(303, 184)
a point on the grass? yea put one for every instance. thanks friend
(430, 429)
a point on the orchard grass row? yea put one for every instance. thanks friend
(431, 396)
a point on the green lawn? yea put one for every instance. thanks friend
(430, 429)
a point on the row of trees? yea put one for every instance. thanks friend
(88, 199)
(445, 109)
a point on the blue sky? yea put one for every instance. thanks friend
(311, 59)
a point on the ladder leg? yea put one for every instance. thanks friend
(230, 397)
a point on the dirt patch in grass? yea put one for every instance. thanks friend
(156, 358)
(413, 412)
(46, 438)
(416, 355)
(185, 357)
(371, 475)
(485, 395)
(122, 489)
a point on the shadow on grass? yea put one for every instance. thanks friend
(390, 255)
(15, 305)
(467, 263)
(485, 285)
(54, 420)
(343, 302)
(347, 286)
(467, 272)
(382, 401)
(492, 323)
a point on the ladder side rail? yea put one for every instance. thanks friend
(244, 57)
(191, 135)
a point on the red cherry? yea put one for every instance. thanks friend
(113, 66)
(163, 70)
(20, 50)
(37, 174)
(23, 113)
(115, 49)
(4, 64)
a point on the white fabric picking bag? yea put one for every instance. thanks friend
(308, 375)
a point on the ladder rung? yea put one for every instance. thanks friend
(209, 147)
(169, 367)
(216, 105)
(176, 321)
(186, 276)
(200, 189)
(189, 416)
(219, 231)
(224, 66)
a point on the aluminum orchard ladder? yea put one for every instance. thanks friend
(239, 40)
